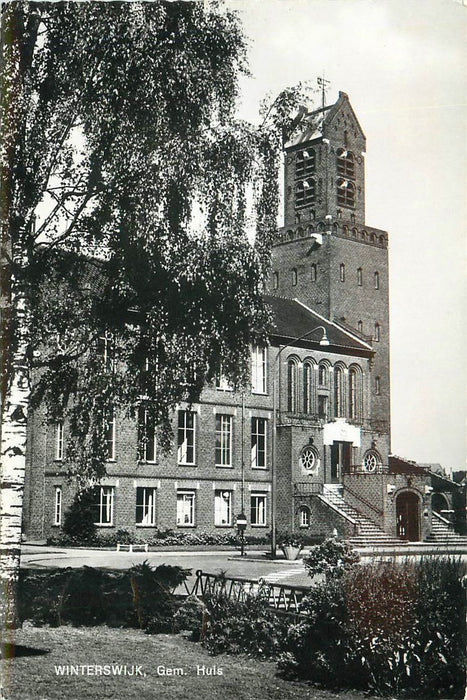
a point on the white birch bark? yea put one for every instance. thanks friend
(13, 467)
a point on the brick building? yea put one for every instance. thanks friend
(322, 383)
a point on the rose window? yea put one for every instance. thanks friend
(308, 459)
(371, 461)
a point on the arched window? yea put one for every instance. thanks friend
(339, 392)
(345, 230)
(355, 393)
(342, 272)
(308, 387)
(360, 326)
(305, 193)
(345, 193)
(313, 272)
(377, 335)
(305, 163)
(345, 163)
(275, 280)
(376, 280)
(323, 375)
(377, 386)
(335, 228)
(359, 276)
(304, 516)
(292, 386)
(294, 276)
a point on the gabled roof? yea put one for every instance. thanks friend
(292, 319)
(313, 124)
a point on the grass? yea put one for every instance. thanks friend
(30, 673)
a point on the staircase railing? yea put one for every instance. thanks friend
(326, 498)
(363, 500)
(443, 520)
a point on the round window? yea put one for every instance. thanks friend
(309, 460)
(371, 461)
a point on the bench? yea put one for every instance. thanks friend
(132, 547)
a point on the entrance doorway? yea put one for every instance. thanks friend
(341, 457)
(408, 516)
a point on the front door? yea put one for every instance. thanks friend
(341, 457)
(408, 516)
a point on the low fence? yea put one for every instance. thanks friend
(281, 597)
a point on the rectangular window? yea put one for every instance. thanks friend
(322, 406)
(258, 370)
(186, 437)
(258, 509)
(59, 440)
(223, 508)
(258, 443)
(145, 506)
(222, 384)
(110, 436)
(147, 435)
(58, 506)
(223, 441)
(186, 508)
(104, 507)
(107, 351)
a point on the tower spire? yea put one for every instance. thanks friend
(323, 84)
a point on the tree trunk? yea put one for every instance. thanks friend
(13, 467)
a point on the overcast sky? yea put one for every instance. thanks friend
(403, 65)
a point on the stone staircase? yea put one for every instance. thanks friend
(442, 533)
(369, 534)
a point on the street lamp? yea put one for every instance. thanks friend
(324, 342)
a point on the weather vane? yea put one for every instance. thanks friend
(324, 84)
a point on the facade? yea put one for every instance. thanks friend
(312, 432)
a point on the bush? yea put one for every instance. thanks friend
(91, 596)
(190, 616)
(244, 626)
(163, 538)
(331, 558)
(388, 628)
(79, 518)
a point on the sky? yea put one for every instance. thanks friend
(403, 65)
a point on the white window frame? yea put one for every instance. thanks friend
(258, 509)
(58, 501)
(59, 441)
(184, 498)
(224, 435)
(106, 505)
(223, 499)
(259, 370)
(186, 438)
(145, 512)
(222, 383)
(110, 435)
(145, 438)
(304, 512)
(256, 435)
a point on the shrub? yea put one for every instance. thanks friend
(190, 616)
(91, 596)
(79, 518)
(331, 558)
(390, 628)
(244, 626)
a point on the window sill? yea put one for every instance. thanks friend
(188, 526)
(104, 524)
(148, 461)
(224, 466)
(140, 525)
(260, 469)
(255, 525)
(223, 527)
(186, 464)
(260, 393)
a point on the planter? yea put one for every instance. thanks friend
(291, 552)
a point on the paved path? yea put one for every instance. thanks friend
(211, 562)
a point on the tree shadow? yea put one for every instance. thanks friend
(10, 651)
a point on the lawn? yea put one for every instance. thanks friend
(164, 666)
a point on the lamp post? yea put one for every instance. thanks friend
(324, 342)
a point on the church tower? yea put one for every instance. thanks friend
(326, 255)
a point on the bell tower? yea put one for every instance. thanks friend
(326, 255)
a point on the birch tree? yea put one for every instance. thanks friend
(127, 189)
